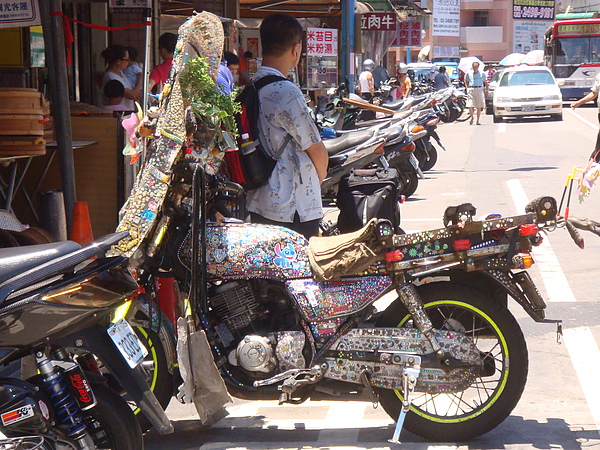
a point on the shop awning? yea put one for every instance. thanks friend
(262, 8)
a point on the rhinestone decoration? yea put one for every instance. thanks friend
(289, 350)
(383, 342)
(321, 301)
(252, 251)
(205, 33)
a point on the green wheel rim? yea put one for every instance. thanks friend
(501, 383)
(151, 351)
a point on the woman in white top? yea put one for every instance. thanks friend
(365, 80)
(117, 59)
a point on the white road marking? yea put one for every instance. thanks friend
(557, 286)
(501, 127)
(585, 356)
(587, 122)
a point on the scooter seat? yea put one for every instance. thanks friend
(347, 141)
(395, 105)
(17, 260)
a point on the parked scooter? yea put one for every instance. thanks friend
(74, 290)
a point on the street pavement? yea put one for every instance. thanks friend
(497, 168)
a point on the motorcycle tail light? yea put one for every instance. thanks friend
(523, 261)
(528, 230)
(432, 122)
(462, 244)
(408, 147)
(379, 148)
(394, 256)
(417, 128)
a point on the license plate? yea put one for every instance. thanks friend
(127, 342)
(414, 161)
(528, 108)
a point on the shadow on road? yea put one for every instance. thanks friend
(248, 433)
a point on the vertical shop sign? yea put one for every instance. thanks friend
(409, 34)
(378, 21)
(533, 9)
(21, 13)
(446, 17)
(321, 41)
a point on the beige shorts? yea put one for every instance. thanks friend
(475, 98)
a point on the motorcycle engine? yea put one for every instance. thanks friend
(23, 410)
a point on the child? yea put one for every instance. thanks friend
(132, 70)
(114, 92)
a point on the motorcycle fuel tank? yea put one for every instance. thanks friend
(235, 251)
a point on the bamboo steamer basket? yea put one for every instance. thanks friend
(21, 124)
(21, 101)
(22, 146)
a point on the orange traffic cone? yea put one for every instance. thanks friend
(81, 231)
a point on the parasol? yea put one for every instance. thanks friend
(466, 63)
(533, 58)
(514, 59)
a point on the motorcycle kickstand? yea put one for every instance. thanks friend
(409, 381)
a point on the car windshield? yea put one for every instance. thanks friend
(526, 78)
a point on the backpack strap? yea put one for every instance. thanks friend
(258, 85)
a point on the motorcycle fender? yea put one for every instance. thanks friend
(97, 341)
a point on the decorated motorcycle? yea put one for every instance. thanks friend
(268, 315)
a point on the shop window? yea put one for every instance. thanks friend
(480, 19)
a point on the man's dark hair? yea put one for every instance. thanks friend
(168, 41)
(114, 89)
(278, 33)
(248, 54)
(231, 58)
(442, 69)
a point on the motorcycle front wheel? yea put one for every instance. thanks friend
(461, 416)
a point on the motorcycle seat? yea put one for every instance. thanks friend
(16, 260)
(395, 105)
(347, 141)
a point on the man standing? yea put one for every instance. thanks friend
(292, 196)
(590, 97)
(365, 80)
(160, 73)
(476, 82)
(441, 80)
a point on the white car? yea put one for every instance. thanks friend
(527, 91)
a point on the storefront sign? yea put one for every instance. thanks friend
(449, 51)
(409, 34)
(321, 41)
(533, 9)
(22, 13)
(446, 18)
(129, 3)
(378, 21)
(528, 36)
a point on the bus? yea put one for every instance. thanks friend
(572, 52)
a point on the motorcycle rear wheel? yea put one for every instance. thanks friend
(490, 399)
(410, 181)
(111, 423)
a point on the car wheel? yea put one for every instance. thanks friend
(489, 110)
(557, 117)
(497, 119)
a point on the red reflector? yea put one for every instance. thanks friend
(393, 256)
(402, 199)
(528, 230)
(462, 244)
(432, 122)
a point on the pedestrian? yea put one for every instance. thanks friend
(244, 77)
(227, 71)
(160, 73)
(590, 97)
(441, 80)
(380, 75)
(477, 86)
(366, 83)
(134, 68)
(405, 85)
(292, 196)
(116, 58)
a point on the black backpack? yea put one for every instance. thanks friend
(251, 164)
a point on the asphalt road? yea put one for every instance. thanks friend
(496, 167)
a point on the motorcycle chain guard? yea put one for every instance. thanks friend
(394, 348)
